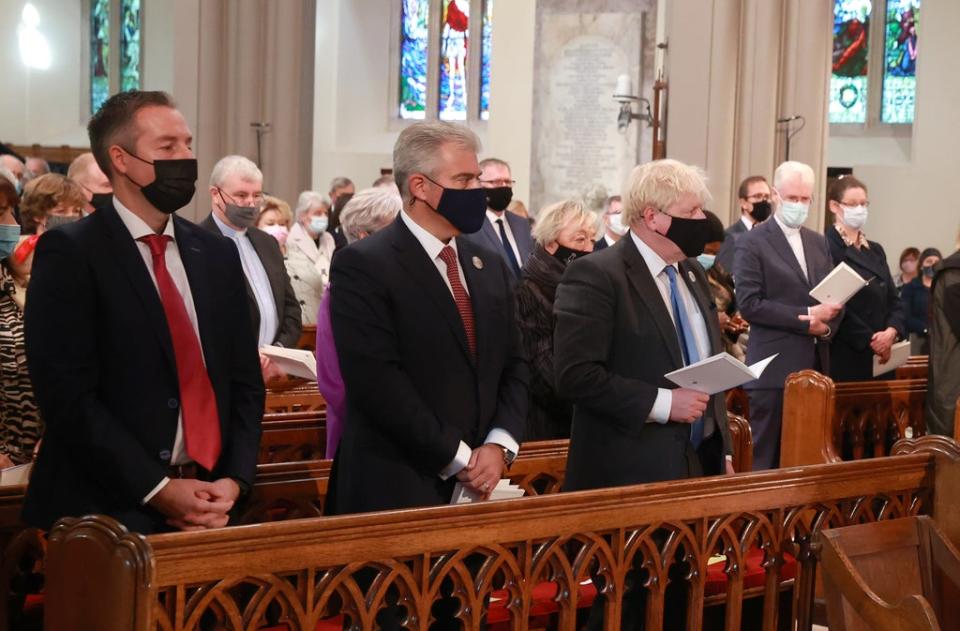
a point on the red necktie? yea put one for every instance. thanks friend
(460, 296)
(201, 423)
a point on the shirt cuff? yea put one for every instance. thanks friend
(661, 406)
(503, 438)
(461, 460)
(156, 489)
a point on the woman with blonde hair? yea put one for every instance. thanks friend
(563, 232)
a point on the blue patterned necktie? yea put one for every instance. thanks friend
(688, 343)
(511, 257)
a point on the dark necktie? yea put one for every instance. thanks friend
(460, 296)
(511, 257)
(688, 344)
(201, 423)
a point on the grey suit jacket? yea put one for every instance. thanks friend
(772, 294)
(488, 237)
(725, 255)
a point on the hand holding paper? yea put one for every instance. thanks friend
(899, 354)
(292, 361)
(718, 373)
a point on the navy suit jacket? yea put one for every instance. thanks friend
(725, 255)
(104, 373)
(489, 238)
(772, 293)
(413, 389)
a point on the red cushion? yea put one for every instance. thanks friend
(754, 574)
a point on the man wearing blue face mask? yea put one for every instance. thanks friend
(236, 195)
(775, 266)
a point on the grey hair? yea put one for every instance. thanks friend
(369, 210)
(235, 165)
(791, 169)
(555, 217)
(340, 182)
(309, 200)
(7, 173)
(417, 147)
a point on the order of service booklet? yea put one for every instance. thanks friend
(293, 361)
(899, 354)
(718, 373)
(839, 286)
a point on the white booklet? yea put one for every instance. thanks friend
(839, 286)
(899, 354)
(718, 373)
(17, 475)
(503, 491)
(293, 361)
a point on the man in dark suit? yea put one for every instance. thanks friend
(503, 232)
(152, 395)
(754, 198)
(423, 321)
(236, 194)
(776, 265)
(613, 225)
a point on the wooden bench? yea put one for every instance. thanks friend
(303, 573)
(294, 400)
(293, 436)
(915, 368)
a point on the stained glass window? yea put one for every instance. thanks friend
(900, 55)
(486, 49)
(129, 45)
(848, 83)
(413, 58)
(99, 53)
(453, 59)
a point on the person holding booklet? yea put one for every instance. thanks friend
(874, 316)
(776, 265)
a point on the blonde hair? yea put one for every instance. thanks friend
(660, 184)
(275, 203)
(552, 219)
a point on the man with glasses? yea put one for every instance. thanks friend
(236, 195)
(754, 198)
(505, 232)
(614, 228)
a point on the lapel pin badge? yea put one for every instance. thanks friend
(478, 262)
(690, 275)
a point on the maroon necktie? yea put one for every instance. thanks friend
(201, 423)
(460, 296)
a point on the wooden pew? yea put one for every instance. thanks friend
(308, 338)
(294, 400)
(299, 573)
(293, 436)
(915, 368)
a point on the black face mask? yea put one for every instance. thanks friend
(568, 255)
(101, 201)
(173, 185)
(465, 209)
(761, 210)
(499, 198)
(927, 270)
(690, 235)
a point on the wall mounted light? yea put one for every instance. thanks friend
(34, 50)
(624, 95)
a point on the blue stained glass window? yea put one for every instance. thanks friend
(129, 45)
(413, 58)
(900, 56)
(848, 83)
(99, 53)
(453, 59)
(486, 49)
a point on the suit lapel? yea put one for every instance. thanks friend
(866, 259)
(782, 247)
(276, 284)
(194, 262)
(639, 276)
(520, 229)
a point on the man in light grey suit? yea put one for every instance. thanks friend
(775, 266)
(505, 232)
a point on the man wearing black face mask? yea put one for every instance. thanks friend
(754, 198)
(341, 191)
(153, 415)
(505, 232)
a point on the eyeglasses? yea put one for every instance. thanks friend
(758, 197)
(245, 199)
(499, 182)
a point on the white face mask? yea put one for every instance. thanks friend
(794, 213)
(854, 217)
(616, 224)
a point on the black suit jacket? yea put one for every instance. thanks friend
(613, 344)
(413, 390)
(488, 237)
(725, 255)
(873, 308)
(772, 292)
(599, 244)
(288, 307)
(103, 368)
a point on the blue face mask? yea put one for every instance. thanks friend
(318, 224)
(706, 260)
(9, 237)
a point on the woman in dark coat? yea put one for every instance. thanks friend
(873, 319)
(563, 232)
(915, 298)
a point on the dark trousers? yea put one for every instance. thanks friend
(766, 423)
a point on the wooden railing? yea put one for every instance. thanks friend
(493, 557)
(915, 368)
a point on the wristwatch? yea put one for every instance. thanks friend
(508, 456)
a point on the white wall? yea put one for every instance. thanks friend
(912, 184)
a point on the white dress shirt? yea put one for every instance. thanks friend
(494, 218)
(796, 243)
(138, 228)
(259, 282)
(747, 222)
(433, 246)
(608, 239)
(661, 406)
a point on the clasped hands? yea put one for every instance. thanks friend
(881, 343)
(196, 505)
(484, 470)
(818, 317)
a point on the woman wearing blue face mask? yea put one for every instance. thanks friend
(310, 248)
(874, 318)
(915, 298)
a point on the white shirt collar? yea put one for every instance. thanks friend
(227, 231)
(654, 261)
(138, 227)
(787, 230)
(430, 243)
(608, 239)
(493, 217)
(747, 221)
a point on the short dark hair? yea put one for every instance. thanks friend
(714, 227)
(113, 122)
(841, 185)
(911, 251)
(745, 185)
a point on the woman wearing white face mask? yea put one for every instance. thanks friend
(310, 245)
(874, 317)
